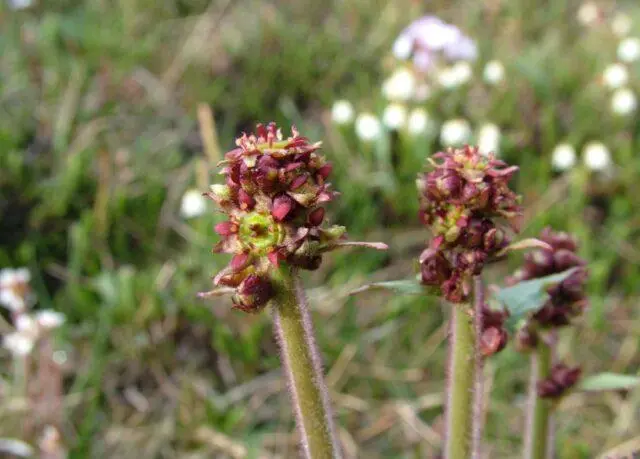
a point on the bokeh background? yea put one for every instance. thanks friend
(112, 111)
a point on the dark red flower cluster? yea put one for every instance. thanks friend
(274, 190)
(494, 336)
(567, 298)
(466, 202)
(561, 379)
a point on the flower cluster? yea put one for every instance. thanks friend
(428, 39)
(467, 204)
(16, 296)
(273, 197)
(567, 298)
(15, 292)
(561, 379)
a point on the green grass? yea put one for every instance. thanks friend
(99, 140)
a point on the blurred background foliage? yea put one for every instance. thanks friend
(100, 139)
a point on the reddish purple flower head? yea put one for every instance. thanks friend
(567, 299)
(561, 379)
(468, 206)
(273, 195)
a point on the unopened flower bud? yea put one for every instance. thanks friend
(435, 268)
(492, 341)
(253, 294)
(315, 217)
(564, 259)
(561, 379)
(282, 206)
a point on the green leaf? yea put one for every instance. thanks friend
(403, 287)
(528, 296)
(609, 381)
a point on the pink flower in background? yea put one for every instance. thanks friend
(427, 38)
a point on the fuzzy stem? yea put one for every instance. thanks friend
(303, 368)
(460, 384)
(478, 384)
(539, 409)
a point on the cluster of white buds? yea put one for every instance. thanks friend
(15, 293)
(29, 327)
(616, 76)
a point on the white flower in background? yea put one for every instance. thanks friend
(26, 324)
(596, 156)
(615, 76)
(623, 101)
(193, 204)
(493, 72)
(456, 75)
(21, 341)
(489, 139)
(394, 116)
(49, 319)
(428, 38)
(402, 47)
(563, 157)
(400, 86)
(432, 33)
(463, 49)
(455, 132)
(463, 71)
(621, 24)
(342, 112)
(368, 127)
(18, 343)
(629, 49)
(20, 4)
(418, 121)
(588, 13)
(14, 289)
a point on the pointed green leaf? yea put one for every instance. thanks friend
(403, 287)
(609, 381)
(528, 296)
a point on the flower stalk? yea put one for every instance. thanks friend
(467, 205)
(549, 379)
(303, 367)
(460, 383)
(539, 409)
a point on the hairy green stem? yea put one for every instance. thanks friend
(460, 384)
(478, 384)
(539, 409)
(303, 368)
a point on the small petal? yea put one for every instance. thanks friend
(282, 206)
